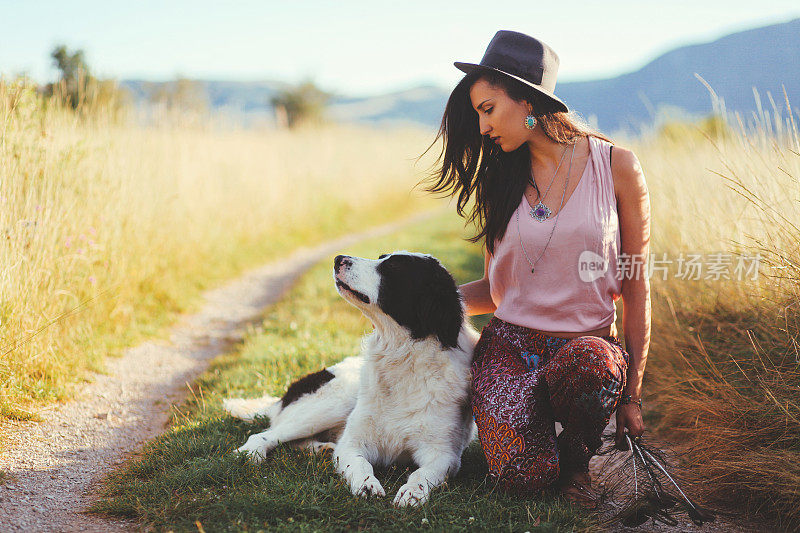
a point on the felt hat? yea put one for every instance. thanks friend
(524, 58)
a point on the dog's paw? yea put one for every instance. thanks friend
(321, 448)
(240, 408)
(370, 487)
(411, 495)
(257, 447)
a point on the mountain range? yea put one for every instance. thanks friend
(764, 60)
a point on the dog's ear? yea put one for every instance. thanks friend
(439, 311)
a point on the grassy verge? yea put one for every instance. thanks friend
(188, 475)
(725, 365)
(729, 395)
(110, 229)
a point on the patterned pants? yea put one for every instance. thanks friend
(524, 382)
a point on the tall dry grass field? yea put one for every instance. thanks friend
(109, 228)
(724, 369)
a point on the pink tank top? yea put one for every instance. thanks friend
(575, 285)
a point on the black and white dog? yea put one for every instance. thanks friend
(405, 398)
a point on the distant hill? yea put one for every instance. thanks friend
(243, 96)
(420, 105)
(243, 101)
(766, 58)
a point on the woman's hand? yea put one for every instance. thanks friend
(629, 416)
(477, 294)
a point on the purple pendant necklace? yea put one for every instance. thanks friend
(522, 245)
(540, 211)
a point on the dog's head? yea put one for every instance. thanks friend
(413, 290)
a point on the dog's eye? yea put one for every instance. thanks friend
(382, 256)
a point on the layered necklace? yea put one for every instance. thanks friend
(540, 212)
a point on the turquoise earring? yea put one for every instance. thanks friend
(530, 122)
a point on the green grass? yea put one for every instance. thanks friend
(189, 474)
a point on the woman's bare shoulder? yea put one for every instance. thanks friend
(627, 173)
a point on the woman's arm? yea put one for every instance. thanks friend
(633, 208)
(477, 298)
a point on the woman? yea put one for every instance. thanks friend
(566, 229)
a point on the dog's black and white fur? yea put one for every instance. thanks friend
(404, 399)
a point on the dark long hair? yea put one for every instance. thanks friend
(472, 164)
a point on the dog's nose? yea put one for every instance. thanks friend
(340, 260)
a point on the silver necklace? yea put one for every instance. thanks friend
(522, 245)
(540, 211)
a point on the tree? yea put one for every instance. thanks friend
(77, 88)
(299, 104)
(74, 74)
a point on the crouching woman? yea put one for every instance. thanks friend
(565, 219)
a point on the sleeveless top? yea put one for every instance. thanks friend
(575, 285)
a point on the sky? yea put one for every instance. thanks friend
(356, 48)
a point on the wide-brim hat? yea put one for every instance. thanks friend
(524, 58)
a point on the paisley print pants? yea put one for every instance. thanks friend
(524, 382)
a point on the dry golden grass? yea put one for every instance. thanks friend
(109, 228)
(724, 370)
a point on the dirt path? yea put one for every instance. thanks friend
(52, 466)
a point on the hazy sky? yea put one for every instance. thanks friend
(357, 47)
